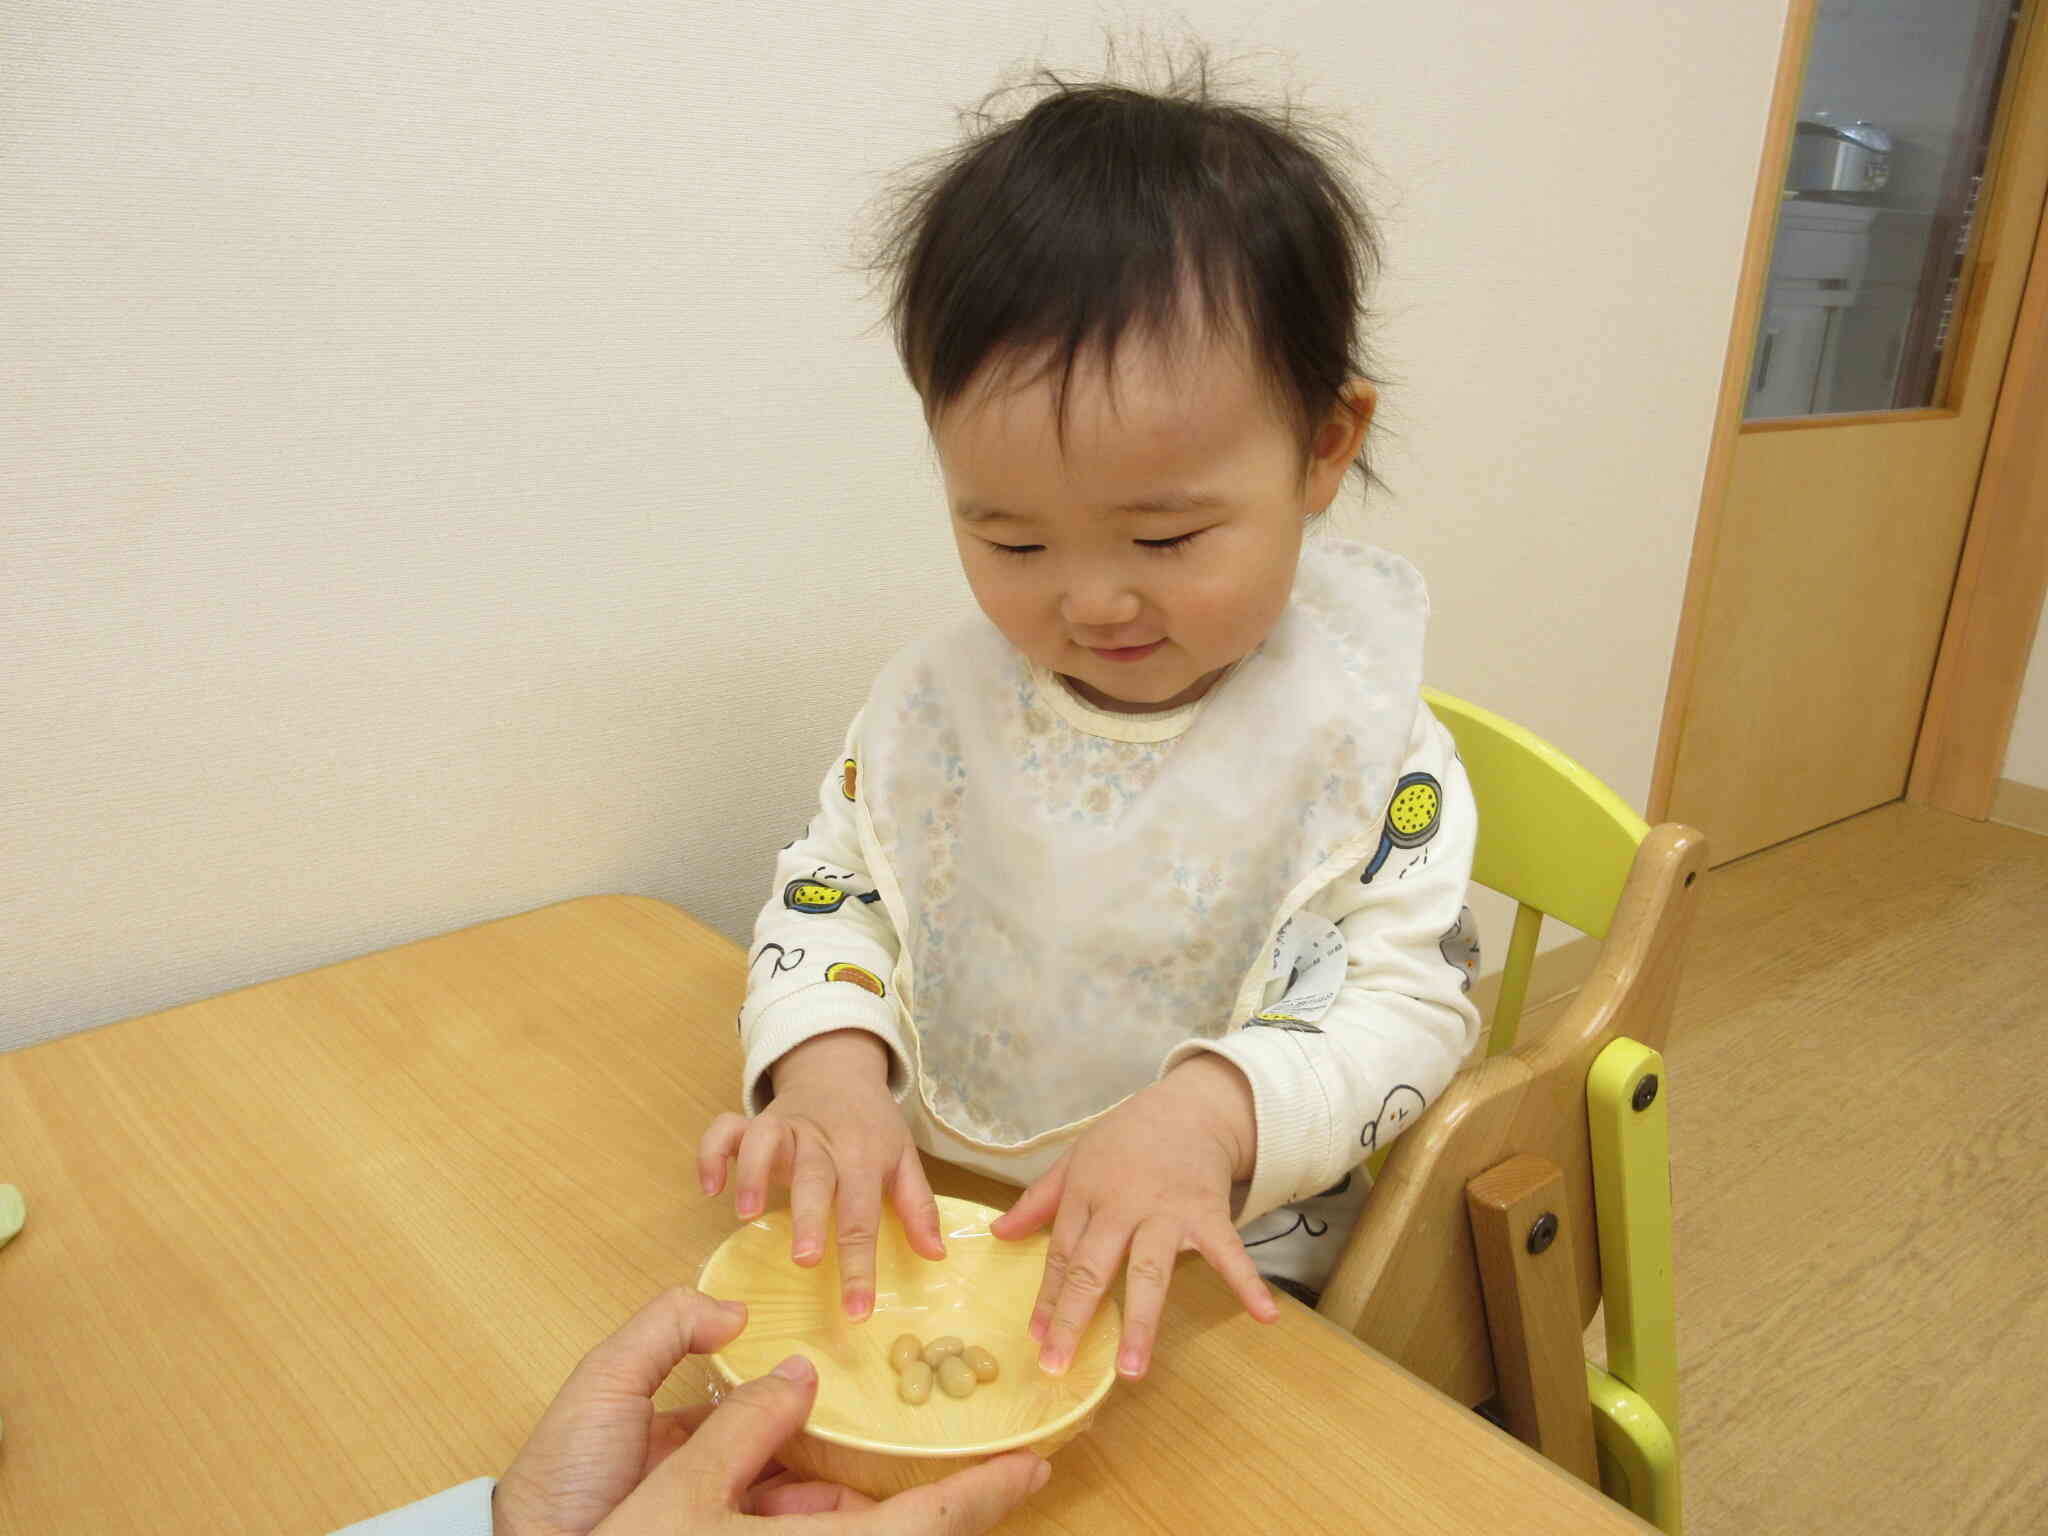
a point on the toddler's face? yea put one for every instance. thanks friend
(1162, 546)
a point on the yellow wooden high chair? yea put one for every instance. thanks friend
(1540, 1181)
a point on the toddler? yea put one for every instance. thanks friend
(1144, 888)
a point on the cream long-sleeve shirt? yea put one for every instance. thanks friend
(1363, 1019)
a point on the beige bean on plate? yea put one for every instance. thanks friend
(906, 1349)
(980, 1361)
(914, 1386)
(956, 1376)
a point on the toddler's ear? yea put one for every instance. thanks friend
(1354, 417)
(1337, 442)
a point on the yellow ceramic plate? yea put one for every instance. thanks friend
(981, 1291)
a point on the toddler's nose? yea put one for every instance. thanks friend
(1098, 604)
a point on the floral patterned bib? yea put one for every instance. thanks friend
(1072, 904)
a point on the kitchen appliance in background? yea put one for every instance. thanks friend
(1838, 162)
(1817, 280)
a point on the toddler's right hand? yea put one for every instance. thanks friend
(832, 1129)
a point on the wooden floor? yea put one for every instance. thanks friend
(1859, 1071)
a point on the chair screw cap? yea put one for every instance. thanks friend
(1645, 1094)
(1542, 1232)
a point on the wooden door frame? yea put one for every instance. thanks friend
(2000, 585)
(2002, 579)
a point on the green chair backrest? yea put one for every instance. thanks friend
(1552, 838)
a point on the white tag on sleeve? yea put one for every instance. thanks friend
(1308, 955)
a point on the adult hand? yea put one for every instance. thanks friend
(603, 1462)
(834, 1136)
(1152, 1179)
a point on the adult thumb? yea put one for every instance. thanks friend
(730, 1448)
(965, 1504)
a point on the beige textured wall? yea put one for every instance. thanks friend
(449, 469)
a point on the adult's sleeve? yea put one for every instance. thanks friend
(464, 1510)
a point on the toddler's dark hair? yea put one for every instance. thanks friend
(1103, 207)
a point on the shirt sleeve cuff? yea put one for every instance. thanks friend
(818, 1010)
(464, 1510)
(1288, 1105)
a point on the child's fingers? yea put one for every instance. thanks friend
(811, 1181)
(1154, 1247)
(860, 1218)
(1035, 1207)
(1091, 1267)
(1067, 1230)
(761, 1149)
(911, 1193)
(719, 1143)
(1224, 1249)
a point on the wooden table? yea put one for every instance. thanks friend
(317, 1248)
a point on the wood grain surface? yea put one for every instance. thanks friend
(1532, 1311)
(2000, 584)
(1827, 554)
(1856, 1070)
(320, 1247)
(1765, 203)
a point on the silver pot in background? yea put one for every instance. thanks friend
(1841, 162)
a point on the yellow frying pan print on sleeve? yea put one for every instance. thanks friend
(1413, 816)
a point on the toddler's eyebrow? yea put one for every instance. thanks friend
(1170, 501)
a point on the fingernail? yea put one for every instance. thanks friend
(1042, 1476)
(710, 1184)
(736, 1308)
(749, 1206)
(806, 1253)
(859, 1304)
(1128, 1364)
(1052, 1364)
(797, 1369)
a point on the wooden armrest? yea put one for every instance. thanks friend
(1408, 1282)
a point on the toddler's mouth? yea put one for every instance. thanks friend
(1127, 652)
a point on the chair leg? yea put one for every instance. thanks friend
(1532, 1309)
(1627, 1103)
(1638, 1457)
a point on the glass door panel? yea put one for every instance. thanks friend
(1872, 255)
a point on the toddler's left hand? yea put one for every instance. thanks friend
(1152, 1179)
